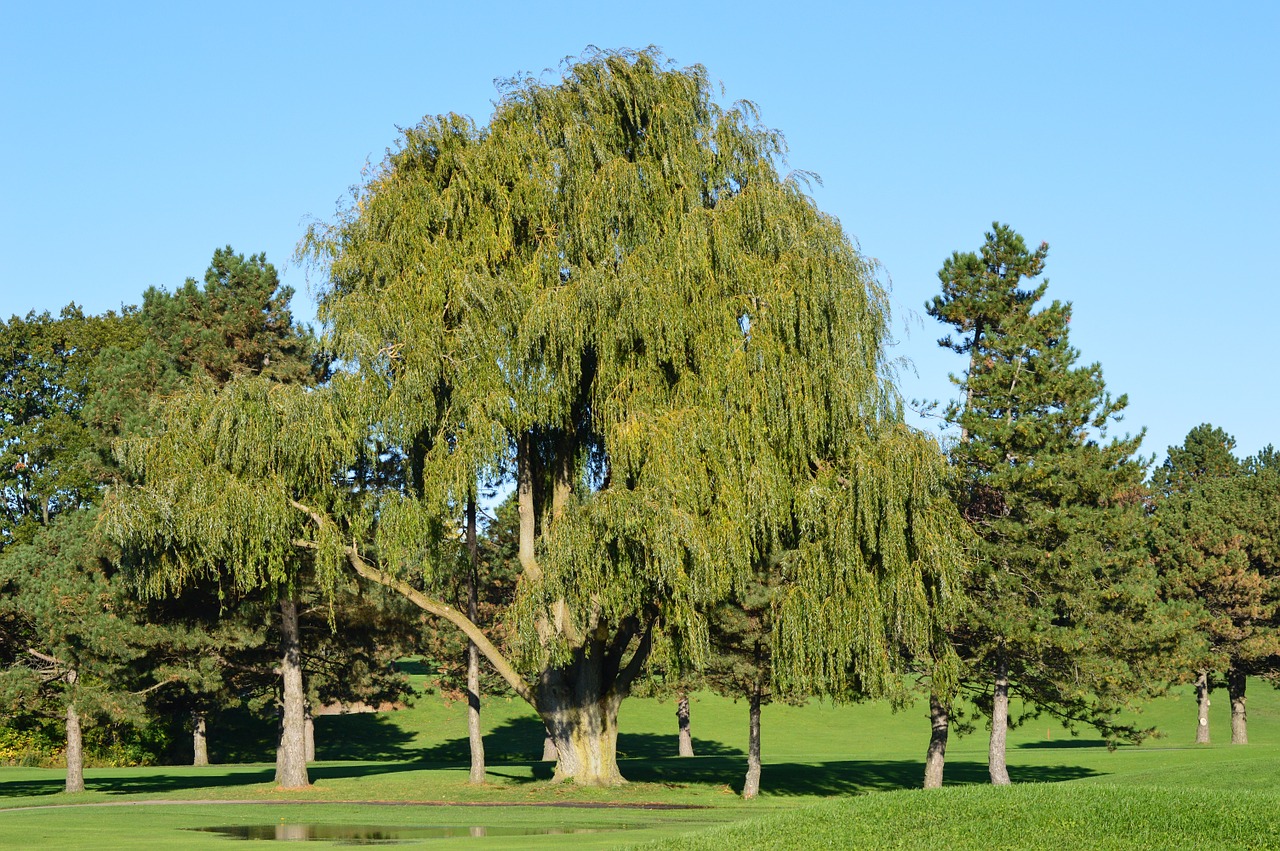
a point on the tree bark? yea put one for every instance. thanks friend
(936, 757)
(581, 716)
(1203, 687)
(291, 755)
(309, 734)
(549, 749)
(199, 738)
(474, 736)
(751, 787)
(75, 751)
(682, 719)
(996, 764)
(1236, 681)
(579, 703)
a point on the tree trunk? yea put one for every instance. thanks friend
(309, 734)
(936, 757)
(75, 751)
(291, 756)
(1235, 690)
(199, 738)
(682, 719)
(580, 711)
(548, 749)
(474, 735)
(996, 765)
(1203, 687)
(751, 787)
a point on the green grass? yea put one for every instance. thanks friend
(819, 760)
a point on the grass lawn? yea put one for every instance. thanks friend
(819, 760)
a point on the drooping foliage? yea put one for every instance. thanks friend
(613, 280)
(609, 297)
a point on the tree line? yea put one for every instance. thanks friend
(611, 303)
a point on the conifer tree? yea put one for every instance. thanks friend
(611, 296)
(1209, 536)
(236, 325)
(1064, 613)
(84, 649)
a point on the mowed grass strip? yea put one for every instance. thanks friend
(1069, 791)
(1031, 816)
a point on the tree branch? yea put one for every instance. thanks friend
(430, 605)
(622, 685)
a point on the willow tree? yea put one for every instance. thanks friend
(609, 296)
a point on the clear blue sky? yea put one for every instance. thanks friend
(1141, 140)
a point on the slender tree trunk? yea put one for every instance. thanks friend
(682, 719)
(936, 757)
(199, 738)
(1203, 687)
(996, 764)
(473, 653)
(75, 751)
(291, 756)
(751, 787)
(309, 734)
(1236, 681)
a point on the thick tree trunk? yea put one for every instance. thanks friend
(474, 736)
(581, 716)
(549, 749)
(1203, 687)
(1239, 722)
(309, 734)
(682, 719)
(199, 738)
(936, 757)
(75, 751)
(996, 764)
(751, 787)
(291, 756)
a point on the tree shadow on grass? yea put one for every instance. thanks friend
(1068, 744)
(837, 777)
(363, 736)
(520, 740)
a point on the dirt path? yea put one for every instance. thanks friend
(566, 805)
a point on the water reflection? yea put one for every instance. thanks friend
(366, 834)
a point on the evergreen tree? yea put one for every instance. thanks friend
(1208, 536)
(238, 324)
(1064, 613)
(610, 296)
(84, 651)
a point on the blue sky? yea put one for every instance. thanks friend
(1140, 140)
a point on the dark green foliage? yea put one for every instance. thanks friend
(1214, 536)
(1065, 593)
(49, 452)
(79, 638)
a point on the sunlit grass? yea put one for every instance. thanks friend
(819, 762)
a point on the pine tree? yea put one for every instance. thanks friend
(1209, 537)
(237, 325)
(1065, 613)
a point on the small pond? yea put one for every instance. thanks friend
(372, 834)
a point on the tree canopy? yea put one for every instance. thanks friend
(1066, 605)
(610, 296)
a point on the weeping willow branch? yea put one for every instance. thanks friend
(429, 605)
